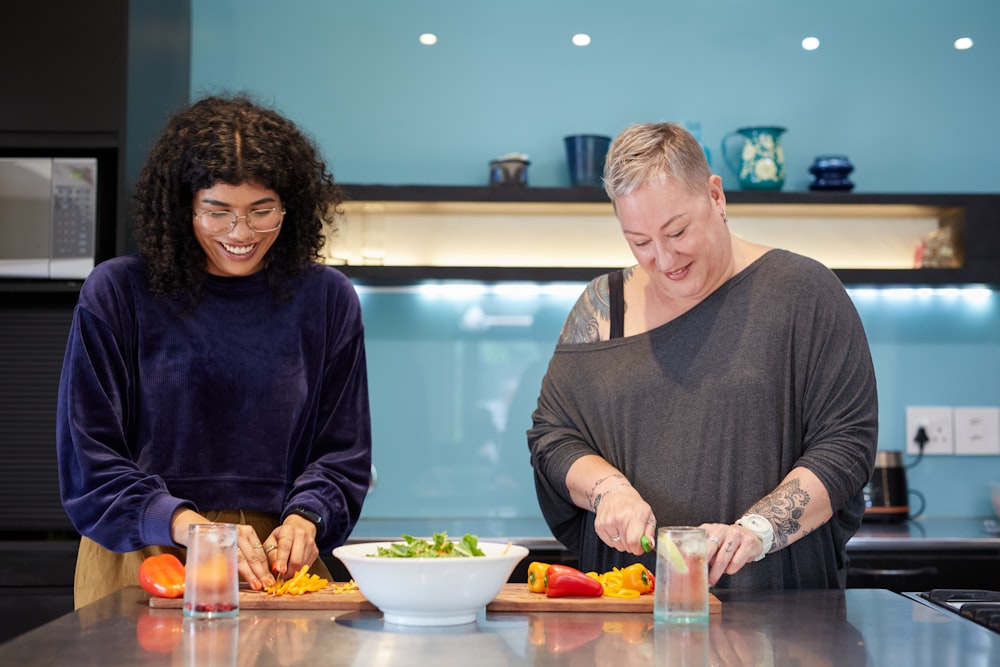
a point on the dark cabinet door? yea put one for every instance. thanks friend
(922, 570)
(64, 66)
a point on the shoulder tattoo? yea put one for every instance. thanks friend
(592, 308)
(584, 322)
(784, 507)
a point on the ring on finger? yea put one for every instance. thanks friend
(269, 548)
(258, 546)
(615, 538)
(716, 540)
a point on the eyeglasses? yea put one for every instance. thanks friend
(260, 220)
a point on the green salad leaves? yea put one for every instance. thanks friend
(440, 548)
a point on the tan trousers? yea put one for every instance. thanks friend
(100, 572)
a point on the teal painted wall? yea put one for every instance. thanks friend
(455, 371)
(885, 88)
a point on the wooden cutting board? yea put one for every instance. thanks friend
(250, 599)
(513, 597)
(517, 597)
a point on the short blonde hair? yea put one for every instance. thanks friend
(658, 154)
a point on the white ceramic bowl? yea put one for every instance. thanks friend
(430, 591)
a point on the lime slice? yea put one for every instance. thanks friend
(667, 549)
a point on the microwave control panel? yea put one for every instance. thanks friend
(74, 208)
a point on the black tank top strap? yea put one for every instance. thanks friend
(616, 303)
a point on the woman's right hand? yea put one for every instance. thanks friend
(252, 561)
(623, 517)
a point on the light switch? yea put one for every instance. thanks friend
(977, 431)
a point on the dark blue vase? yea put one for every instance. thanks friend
(830, 173)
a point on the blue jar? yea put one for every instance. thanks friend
(830, 172)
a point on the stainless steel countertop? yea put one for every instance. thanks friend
(932, 533)
(833, 628)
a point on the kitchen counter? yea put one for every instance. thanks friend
(952, 534)
(924, 534)
(853, 627)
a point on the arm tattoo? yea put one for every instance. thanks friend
(583, 323)
(784, 507)
(593, 489)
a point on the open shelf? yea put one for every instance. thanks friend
(396, 234)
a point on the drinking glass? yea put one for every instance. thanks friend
(681, 594)
(211, 580)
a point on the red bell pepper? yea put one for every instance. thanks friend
(563, 581)
(162, 576)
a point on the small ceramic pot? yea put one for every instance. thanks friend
(830, 173)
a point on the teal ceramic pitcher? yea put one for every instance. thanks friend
(762, 160)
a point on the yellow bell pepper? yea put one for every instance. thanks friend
(537, 580)
(637, 577)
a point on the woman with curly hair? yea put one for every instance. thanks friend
(219, 375)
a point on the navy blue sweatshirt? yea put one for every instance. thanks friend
(246, 401)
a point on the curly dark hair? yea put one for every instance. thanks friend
(232, 140)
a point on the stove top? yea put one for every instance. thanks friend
(979, 606)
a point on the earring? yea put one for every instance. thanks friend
(725, 218)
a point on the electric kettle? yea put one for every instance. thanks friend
(886, 495)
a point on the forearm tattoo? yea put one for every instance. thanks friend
(784, 507)
(593, 490)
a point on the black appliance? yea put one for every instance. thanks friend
(979, 606)
(886, 494)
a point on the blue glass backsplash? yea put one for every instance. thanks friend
(455, 369)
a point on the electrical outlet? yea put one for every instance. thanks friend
(933, 423)
(977, 431)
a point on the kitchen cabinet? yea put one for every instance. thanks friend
(907, 570)
(93, 78)
(399, 234)
(33, 595)
(924, 554)
(64, 68)
(78, 79)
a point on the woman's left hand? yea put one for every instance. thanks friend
(730, 547)
(292, 545)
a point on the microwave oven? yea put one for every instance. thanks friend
(48, 217)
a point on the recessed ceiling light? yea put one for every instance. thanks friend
(810, 43)
(428, 39)
(963, 43)
(581, 39)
